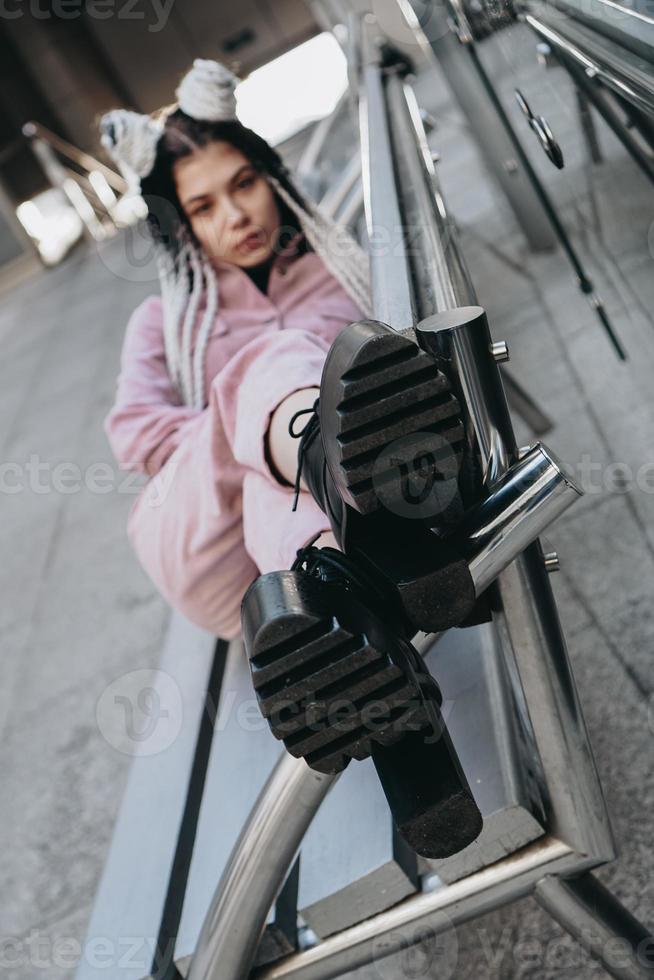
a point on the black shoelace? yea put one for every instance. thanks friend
(356, 579)
(306, 436)
(351, 575)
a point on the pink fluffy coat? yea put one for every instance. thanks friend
(212, 516)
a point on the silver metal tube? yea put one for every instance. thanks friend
(487, 128)
(256, 870)
(430, 913)
(352, 207)
(599, 61)
(528, 627)
(392, 288)
(336, 196)
(463, 336)
(603, 927)
(526, 617)
(58, 176)
(311, 155)
(523, 503)
(440, 278)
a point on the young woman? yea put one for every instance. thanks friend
(252, 331)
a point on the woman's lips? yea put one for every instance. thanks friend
(252, 242)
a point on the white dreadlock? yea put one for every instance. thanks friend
(180, 303)
(342, 255)
(207, 93)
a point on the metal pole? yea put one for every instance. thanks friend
(256, 870)
(587, 76)
(335, 198)
(588, 127)
(427, 914)
(523, 503)
(527, 618)
(484, 105)
(601, 924)
(311, 155)
(58, 177)
(487, 127)
(440, 277)
(389, 269)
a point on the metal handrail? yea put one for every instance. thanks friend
(95, 214)
(600, 58)
(532, 633)
(259, 862)
(33, 130)
(599, 72)
(400, 186)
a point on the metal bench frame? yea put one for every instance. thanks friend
(556, 868)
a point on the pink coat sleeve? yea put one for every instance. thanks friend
(147, 421)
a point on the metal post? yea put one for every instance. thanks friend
(337, 195)
(587, 74)
(528, 628)
(429, 914)
(389, 269)
(600, 923)
(261, 857)
(313, 151)
(528, 622)
(488, 128)
(58, 177)
(522, 504)
(588, 127)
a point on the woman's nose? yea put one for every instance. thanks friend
(235, 215)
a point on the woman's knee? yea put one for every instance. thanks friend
(202, 574)
(218, 614)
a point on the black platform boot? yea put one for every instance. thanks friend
(337, 680)
(381, 455)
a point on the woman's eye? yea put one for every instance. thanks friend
(246, 182)
(201, 209)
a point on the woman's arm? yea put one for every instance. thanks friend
(147, 421)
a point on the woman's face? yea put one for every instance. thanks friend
(230, 205)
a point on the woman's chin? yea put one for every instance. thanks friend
(253, 257)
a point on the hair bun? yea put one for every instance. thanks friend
(207, 92)
(131, 139)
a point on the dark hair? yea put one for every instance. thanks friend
(167, 220)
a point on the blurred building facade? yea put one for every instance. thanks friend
(64, 62)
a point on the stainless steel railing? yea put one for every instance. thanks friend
(615, 79)
(428, 287)
(529, 626)
(91, 188)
